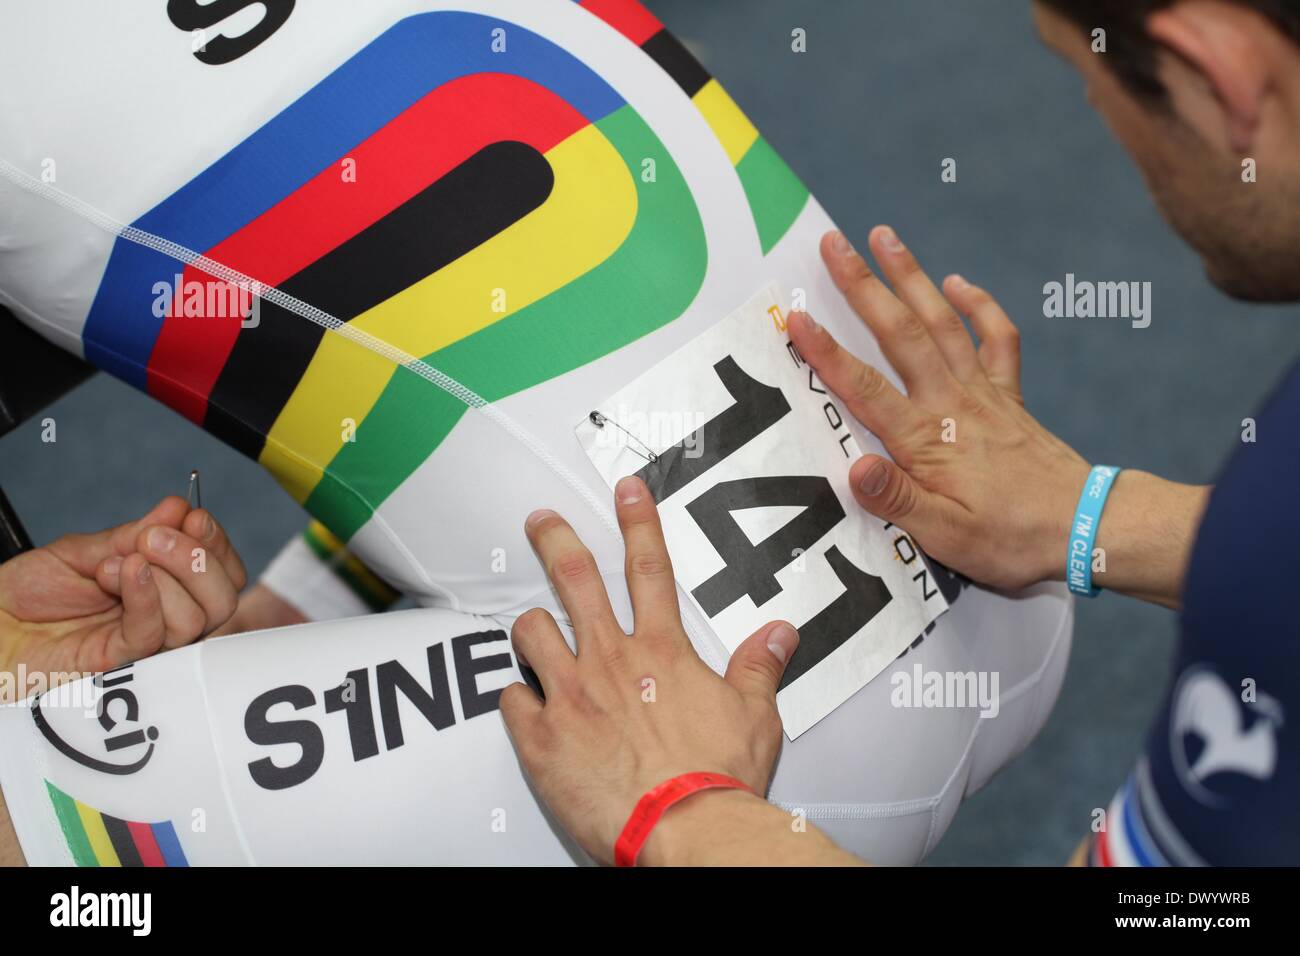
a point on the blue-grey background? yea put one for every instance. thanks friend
(886, 90)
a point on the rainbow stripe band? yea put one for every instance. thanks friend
(775, 194)
(98, 839)
(346, 108)
(529, 160)
(363, 582)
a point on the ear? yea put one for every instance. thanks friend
(1230, 48)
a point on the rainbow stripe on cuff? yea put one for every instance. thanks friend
(363, 582)
(97, 839)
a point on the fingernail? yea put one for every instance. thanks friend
(889, 239)
(538, 516)
(628, 490)
(144, 574)
(810, 322)
(112, 566)
(161, 540)
(957, 281)
(781, 641)
(840, 244)
(874, 481)
(209, 527)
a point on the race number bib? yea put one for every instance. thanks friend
(748, 455)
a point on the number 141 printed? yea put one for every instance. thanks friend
(747, 455)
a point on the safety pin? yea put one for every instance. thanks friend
(599, 421)
(194, 496)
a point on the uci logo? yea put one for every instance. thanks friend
(117, 705)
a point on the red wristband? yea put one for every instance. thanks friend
(651, 807)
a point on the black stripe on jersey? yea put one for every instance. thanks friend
(677, 61)
(483, 196)
(120, 836)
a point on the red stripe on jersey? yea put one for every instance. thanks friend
(413, 150)
(1103, 851)
(142, 834)
(628, 17)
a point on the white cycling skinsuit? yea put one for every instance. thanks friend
(417, 258)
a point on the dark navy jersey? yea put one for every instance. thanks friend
(1219, 780)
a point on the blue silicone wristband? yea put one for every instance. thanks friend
(1083, 530)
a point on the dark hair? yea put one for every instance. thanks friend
(1130, 53)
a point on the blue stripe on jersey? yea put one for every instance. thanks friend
(405, 63)
(169, 845)
(1139, 839)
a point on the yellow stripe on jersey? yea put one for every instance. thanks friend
(588, 215)
(93, 823)
(732, 127)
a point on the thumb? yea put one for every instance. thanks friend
(143, 627)
(890, 493)
(756, 667)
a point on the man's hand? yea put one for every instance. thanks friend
(627, 713)
(91, 602)
(975, 479)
